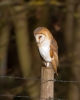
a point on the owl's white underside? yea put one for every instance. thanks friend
(45, 51)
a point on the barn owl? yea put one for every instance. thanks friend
(47, 47)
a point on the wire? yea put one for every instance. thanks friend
(38, 79)
(27, 97)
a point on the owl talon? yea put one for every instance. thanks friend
(47, 64)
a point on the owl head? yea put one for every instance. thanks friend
(41, 34)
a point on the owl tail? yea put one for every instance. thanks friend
(54, 66)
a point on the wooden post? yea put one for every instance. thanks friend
(47, 86)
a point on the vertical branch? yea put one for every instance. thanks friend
(75, 88)
(4, 41)
(69, 24)
(47, 86)
(23, 47)
(22, 39)
(3, 48)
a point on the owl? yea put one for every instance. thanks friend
(47, 47)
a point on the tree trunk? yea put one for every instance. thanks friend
(68, 34)
(69, 23)
(75, 88)
(22, 39)
(23, 47)
(4, 41)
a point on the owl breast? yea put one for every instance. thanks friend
(44, 50)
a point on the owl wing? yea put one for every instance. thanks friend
(54, 50)
(54, 54)
(54, 45)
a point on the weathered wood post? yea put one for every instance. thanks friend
(47, 86)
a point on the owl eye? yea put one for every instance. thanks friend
(40, 37)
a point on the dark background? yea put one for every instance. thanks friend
(19, 56)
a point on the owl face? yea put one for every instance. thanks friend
(39, 38)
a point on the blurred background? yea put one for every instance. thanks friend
(19, 55)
